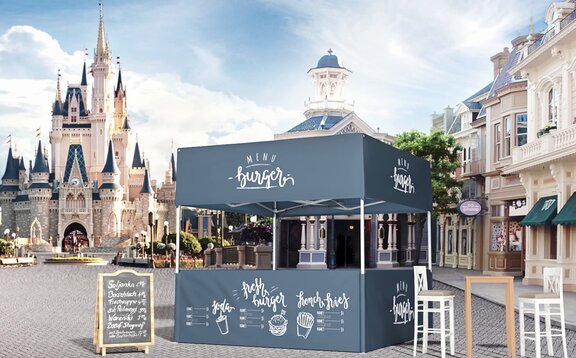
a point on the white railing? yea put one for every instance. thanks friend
(545, 145)
(328, 104)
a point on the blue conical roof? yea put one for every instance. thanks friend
(110, 166)
(84, 82)
(146, 187)
(126, 125)
(137, 162)
(57, 108)
(11, 171)
(118, 84)
(21, 164)
(173, 167)
(39, 163)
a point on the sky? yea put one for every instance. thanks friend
(231, 71)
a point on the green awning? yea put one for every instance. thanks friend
(542, 212)
(567, 215)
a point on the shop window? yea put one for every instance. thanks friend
(521, 129)
(514, 236)
(464, 245)
(450, 241)
(497, 241)
(552, 243)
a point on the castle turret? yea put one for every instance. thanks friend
(101, 102)
(119, 103)
(9, 191)
(111, 195)
(39, 194)
(136, 174)
(329, 78)
(146, 195)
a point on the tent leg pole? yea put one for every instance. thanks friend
(429, 222)
(362, 244)
(178, 213)
(274, 241)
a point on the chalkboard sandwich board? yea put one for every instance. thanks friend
(124, 311)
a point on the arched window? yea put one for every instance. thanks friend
(81, 201)
(35, 231)
(552, 106)
(69, 201)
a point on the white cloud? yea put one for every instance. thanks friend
(162, 108)
(410, 59)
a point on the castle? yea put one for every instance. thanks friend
(96, 189)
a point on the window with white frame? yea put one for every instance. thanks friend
(507, 135)
(497, 141)
(521, 129)
(552, 107)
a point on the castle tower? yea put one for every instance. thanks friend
(101, 117)
(9, 191)
(111, 193)
(39, 194)
(329, 79)
(146, 198)
(136, 174)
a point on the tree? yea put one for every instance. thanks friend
(441, 150)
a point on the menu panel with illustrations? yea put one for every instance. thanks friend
(291, 309)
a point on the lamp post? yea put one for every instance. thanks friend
(136, 235)
(166, 239)
(144, 241)
(14, 244)
(151, 224)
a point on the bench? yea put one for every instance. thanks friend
(9, 261)
(26, 260)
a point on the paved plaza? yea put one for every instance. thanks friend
(48, 311)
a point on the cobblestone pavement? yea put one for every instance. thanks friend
(48, 311)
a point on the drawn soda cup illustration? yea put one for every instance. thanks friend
(304, 322)
(278, 324)
(222, 322)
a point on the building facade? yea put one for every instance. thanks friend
(334, 241)
(546, 163)
(95, 190)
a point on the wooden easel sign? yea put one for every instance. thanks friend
(124, 311)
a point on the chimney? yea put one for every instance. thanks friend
(499, 60)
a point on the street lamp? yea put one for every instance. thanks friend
(151, 224)
(144, 241)
(14, 244)
(166, 239)
(136, 236)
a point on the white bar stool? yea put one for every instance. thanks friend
(423, 297)
(553, 300)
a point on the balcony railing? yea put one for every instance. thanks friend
(553, 31)
(329, 104)
(475, 167)
(75, 211)
(546, 145)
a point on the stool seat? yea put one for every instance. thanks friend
(549, 302)
(426, 303)
(435, 293)
(533, 295)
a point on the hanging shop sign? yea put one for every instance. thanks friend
(469, 207)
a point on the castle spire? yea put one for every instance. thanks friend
(84, 81)
(58, 96)
(101, 47)
(146, 187)
(40, 162)
(110, 166)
